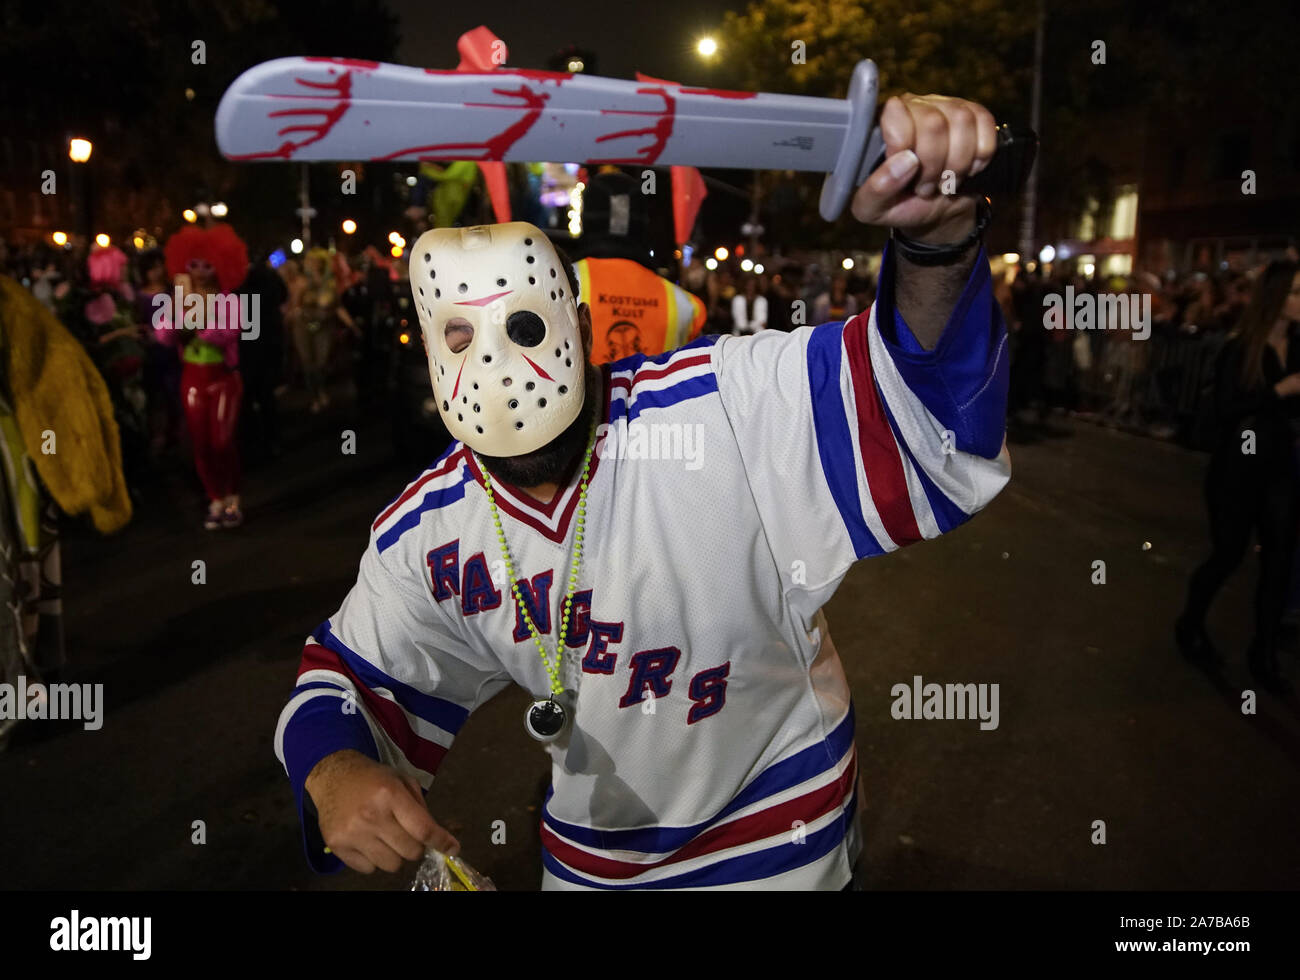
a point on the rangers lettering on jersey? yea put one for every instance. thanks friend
(825, 446)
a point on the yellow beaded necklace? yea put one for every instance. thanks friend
(546, 718)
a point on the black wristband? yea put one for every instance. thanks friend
(924, 253)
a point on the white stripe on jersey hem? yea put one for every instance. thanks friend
(825, 778)
(706, 860)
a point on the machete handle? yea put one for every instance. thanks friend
(861, 142)
(863, 151)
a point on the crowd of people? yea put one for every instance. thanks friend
(304, 323)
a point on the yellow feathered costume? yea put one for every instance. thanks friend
(53, 386)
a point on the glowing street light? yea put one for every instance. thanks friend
(189, 215)
(847, 264)
(79, 150)
(396, 251)
(758, 269)
(102, 240)
(295, 246)
(349, 227)
(1047, 254)
(219, 210)
(394, 238)
(706, 47)
(59, 238)
(710, 263)
(720, 254)
(746, 265)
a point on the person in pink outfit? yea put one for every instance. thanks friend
(211, 263)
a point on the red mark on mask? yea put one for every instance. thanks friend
(455, 389)
(536, 368)
(483, 300)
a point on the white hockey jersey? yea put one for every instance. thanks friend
(734, 482)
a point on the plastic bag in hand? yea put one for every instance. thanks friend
(440, 872)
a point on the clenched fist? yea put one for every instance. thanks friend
(926, 138)
(371, 815)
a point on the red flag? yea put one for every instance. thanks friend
(481, 50)
(688, 194)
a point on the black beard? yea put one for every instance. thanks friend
(556, 461)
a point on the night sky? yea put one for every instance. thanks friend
(657, 38)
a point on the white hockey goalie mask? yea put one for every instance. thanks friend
(520, 381)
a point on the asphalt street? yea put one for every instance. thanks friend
(1100, 720)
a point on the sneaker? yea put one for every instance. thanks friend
(215, 516)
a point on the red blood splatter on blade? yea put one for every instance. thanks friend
(661, 130)
(494, 147)
(341, 89)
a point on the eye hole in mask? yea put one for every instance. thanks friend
(525, 328)
(459, 332)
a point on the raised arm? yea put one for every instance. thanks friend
(932, 143)
(894, 421)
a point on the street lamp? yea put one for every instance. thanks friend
(706, 47)
(79, 150)
(102, 240)
(349, 227)
(847, 264)
(295, 246)
(219, 210)
(720, 254)
(189, 215)
(59, 238)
